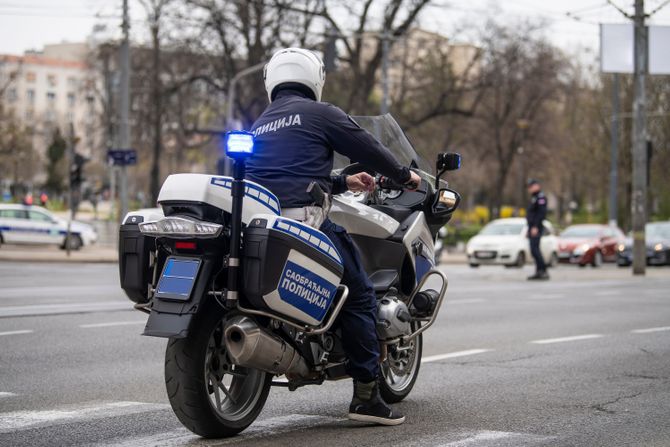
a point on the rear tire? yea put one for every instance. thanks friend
(194, 363)
(395, 387)
(74, 241)
(474, 266)
(553, 260)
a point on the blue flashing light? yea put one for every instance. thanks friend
(239, 144)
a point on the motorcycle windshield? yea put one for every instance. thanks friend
(386, 129)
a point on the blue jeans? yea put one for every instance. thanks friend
(359, 315)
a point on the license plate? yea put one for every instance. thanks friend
(178, 278)
(564, 254)
(485, 254)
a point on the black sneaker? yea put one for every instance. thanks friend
(368, 406)
(539, 276)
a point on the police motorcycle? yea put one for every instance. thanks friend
(249, 299)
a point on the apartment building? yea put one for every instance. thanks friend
(50, 89)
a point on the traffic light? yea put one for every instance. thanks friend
(76, 170)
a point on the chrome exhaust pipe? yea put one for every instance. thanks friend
(251, 346)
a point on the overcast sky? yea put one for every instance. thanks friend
(29, 24)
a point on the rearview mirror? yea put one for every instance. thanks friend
(448, 161)
(446, 202)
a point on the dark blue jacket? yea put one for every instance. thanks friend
(295, 140)
(537, 211)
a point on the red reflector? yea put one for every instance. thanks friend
(184, 245)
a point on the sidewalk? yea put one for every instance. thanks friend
(23, 253)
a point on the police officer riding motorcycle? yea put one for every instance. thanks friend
(287, 159)
(255, 276)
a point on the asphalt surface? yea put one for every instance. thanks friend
(582, 360)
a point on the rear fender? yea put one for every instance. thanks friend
(172, 319)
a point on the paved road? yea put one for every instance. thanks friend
(581, 360)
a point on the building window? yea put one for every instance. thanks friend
(51, 99)
(30, 96)
(12, 95)
(70, 99)
(31, 76)
(52, 80)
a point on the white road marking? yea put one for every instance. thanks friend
(111, 323)
(547, 296)
(651, 329)
(494, 438)
(566, 339)
(606, 293)
(6, 394)
(65, 291)
(52, 309)
(261, 429)
(22, 420)
(451, 355)
(466, 301)
(24, 331)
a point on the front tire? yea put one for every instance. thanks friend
(398, 373)
(597, 259)
(196, 371)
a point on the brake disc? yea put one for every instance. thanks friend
(401, 361)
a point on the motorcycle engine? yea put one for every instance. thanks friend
(393, 318)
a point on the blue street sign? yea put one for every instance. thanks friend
(122, 157)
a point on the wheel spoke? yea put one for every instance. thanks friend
(236, 373)
(218, 385)
(227, 392)
(217, 395)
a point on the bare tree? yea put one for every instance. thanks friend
(521, 74)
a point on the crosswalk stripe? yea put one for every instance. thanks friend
(261, 429)
(22, 420)
(6, 394)
(498, 439)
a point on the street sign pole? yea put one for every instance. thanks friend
(614, 159)
(124, 106)
(639, 196)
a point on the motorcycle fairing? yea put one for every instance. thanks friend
(361, 219)
(216, 191)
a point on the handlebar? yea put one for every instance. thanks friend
(387, 183)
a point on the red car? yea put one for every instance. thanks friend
(589, 244)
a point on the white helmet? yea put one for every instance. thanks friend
(295, 65)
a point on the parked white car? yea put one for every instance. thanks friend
(27, 224)
(504, 242)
